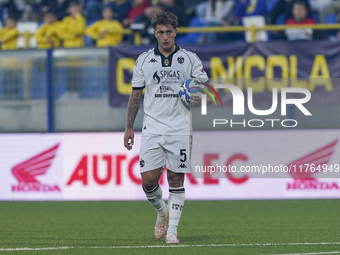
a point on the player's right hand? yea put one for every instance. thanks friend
(129, 136)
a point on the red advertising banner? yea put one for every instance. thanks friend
(290, 164)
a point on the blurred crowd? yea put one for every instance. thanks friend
(70, 23)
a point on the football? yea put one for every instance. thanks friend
(190, 89)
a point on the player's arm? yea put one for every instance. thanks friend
(198, 72)
(133, 106)
(138, 83)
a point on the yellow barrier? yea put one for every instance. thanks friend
(253, 30)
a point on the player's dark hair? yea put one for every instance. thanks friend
(164, 18)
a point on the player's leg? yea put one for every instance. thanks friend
(178, 160)
(176, 204)
(153, 192)
(151, 166)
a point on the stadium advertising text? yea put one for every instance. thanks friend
(260, 66)
(96, 166)
(26, 172)
(242, 67)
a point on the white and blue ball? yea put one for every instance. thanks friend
(190, 89)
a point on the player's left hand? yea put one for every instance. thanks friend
(195, 102)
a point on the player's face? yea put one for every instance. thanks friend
(165, 36)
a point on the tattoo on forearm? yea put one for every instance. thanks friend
(133, 107)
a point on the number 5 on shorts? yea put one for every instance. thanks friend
(182, 153)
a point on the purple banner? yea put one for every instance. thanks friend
(312, 65)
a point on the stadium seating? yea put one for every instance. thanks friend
(193, 37)
(30, 27)
(331, 19)
(270, 5)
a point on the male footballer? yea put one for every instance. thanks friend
(167, 130)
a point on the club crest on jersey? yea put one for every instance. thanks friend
(142, 163)
(166, 62)
(180, 60)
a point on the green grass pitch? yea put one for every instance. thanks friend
(206, 227)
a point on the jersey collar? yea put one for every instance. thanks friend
(157, 52)
(166, 61)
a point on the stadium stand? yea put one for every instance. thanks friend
(34, 70)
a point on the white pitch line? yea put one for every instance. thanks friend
(311, 253)
(174, 246)
(36, 249)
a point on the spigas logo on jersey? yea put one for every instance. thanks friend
(170, 74)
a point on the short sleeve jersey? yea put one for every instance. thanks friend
(162, 77)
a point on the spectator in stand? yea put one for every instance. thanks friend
(105, 31)
(332, 8)
(10, 78)
(93, 10)
(58, 7)
(9, 35)
(138, 8)
(245, 8)
(217, 13)
(301, 16)
(47, 34)
(176, 8)
(13, 9)
(282, 7)
(72, 27)
(145, 19)
(71, 31)
(318, 6)
(120, 9)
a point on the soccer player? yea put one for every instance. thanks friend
(167, 131)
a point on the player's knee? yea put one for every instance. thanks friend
(149, 182)
(149, 185)
(175, 179)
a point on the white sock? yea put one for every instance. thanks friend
(176, 203)
(155, 198)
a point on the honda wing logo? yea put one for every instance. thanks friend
(27, 172)
(303, 173)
